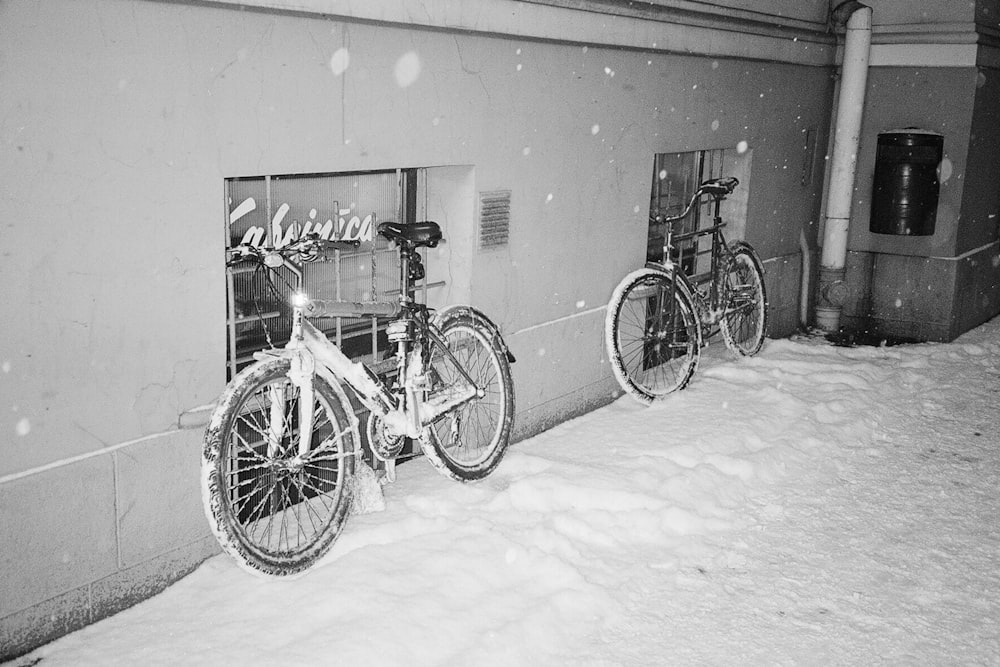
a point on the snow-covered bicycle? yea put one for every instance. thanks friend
(659, 317)
(281, 447)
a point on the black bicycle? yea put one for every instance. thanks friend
(659, 317)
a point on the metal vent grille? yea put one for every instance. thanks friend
(494, 219)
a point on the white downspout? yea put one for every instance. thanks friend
(846, 139)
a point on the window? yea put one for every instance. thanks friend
(270, 211)
(676, 177)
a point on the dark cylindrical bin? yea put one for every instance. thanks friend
(905, 190)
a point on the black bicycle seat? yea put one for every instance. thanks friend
(720, 187)
(417, 234)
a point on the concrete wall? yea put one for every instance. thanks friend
(121, 119)
(935, 71)
(978, 247)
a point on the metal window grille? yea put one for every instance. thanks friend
(271, 210)
(676, 176)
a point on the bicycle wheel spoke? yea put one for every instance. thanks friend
(311, 514)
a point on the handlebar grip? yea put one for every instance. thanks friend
(317, 308)
(241, 253)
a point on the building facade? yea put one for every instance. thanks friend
(134, 134)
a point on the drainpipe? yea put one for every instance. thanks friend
(846, 138)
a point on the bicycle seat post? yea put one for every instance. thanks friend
(401, 331)
(405, 280)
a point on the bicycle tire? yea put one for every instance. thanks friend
(275, 515)
(744, 317)
(468, 442)
(653, 351)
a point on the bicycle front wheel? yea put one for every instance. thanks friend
(652, 335)
(744, 318)
(468, 442)
(275, 504)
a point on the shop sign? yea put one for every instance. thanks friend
(341, 227)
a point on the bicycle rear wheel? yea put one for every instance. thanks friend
(274, 510)
(652, 334)
(468, 442)
(744, 319)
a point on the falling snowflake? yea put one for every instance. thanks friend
(945, 170)
(407, 69)
(339, 61)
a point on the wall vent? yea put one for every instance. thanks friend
(494, 219)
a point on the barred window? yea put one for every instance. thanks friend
(271, 211)
(676, 177)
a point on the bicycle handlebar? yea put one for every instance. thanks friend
(715, 187)
(308, 248)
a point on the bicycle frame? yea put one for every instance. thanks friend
(709, 304)
(311, 352)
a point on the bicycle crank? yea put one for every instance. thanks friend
(385, 446)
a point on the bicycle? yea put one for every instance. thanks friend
(281, 446)
(659, 318)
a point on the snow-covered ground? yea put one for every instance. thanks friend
(812, 505)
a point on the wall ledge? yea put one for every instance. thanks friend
(669, 26)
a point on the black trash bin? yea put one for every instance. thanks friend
(906, 187)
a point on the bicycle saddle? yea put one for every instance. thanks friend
(720, 187)
(417, 234)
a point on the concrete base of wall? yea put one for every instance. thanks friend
(28, 629)
(783, 282)
(921, 298)
(546, 415)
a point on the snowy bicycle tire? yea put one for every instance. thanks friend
(277, 514)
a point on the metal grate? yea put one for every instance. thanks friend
(271, 210)
(494, 219)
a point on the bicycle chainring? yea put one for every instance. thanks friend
(385, 447)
